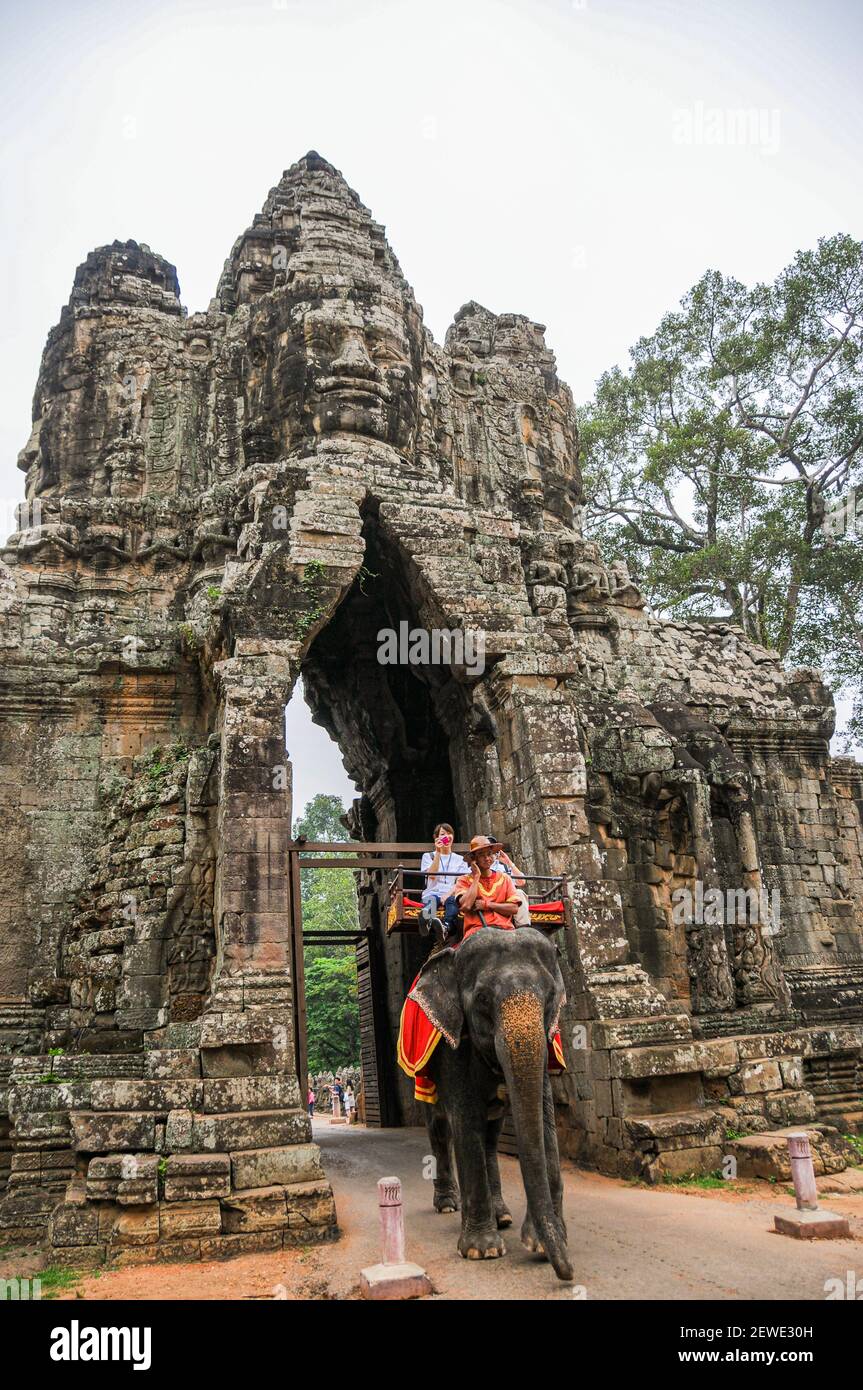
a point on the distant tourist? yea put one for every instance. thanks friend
(350, 1102)
(312, 1099)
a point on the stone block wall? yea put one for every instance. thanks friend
(222, 502)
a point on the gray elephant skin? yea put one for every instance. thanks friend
(496, 1001)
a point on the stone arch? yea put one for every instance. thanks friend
(205, 545)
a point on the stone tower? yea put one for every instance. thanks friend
(217, 503)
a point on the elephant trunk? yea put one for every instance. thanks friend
(522, 1053)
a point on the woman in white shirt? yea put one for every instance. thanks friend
(441, 866)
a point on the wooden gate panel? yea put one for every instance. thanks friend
(368, 1043)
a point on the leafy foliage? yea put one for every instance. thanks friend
(716, 463)
(333, 1031)
(329, 898)
(311, 585)
(322, 820)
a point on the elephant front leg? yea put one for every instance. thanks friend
(502, 1213)
(529, 1238)
(445, 1185)
(480, 1238)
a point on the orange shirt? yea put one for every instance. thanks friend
(496, 888)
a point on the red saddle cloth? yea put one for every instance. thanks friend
(539, 912)
(418, 1039)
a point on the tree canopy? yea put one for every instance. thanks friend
(329, 899)
(723, 463)
(333, 1020)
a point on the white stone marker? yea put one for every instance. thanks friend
(808, 1222)
(394, 1277)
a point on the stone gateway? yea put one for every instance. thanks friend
(221, 502)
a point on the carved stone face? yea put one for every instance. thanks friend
(333, 366)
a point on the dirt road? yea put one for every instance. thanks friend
(627, 1241)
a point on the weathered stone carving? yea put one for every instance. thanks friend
(589, 584)
(622, 588)
(233, 498)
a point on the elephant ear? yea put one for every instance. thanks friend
(438, 995)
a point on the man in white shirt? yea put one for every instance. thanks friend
(441, 866)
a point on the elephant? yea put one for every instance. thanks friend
(495, 999)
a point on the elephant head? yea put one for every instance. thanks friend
(505, 989)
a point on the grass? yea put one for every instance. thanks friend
(56, 1279)
(703, 1180)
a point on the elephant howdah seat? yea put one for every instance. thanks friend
(548, 913)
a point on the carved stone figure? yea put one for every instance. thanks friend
(223, 503)
(623, 589)
(162, 546)
(590, 584)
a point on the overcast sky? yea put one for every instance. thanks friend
(552, 157)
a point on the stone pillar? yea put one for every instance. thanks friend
(712, 983)
(611, 1002)
(253, 1116)
(392, 1221)
(252, 903)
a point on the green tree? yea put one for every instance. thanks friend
(330, 904)
(333, 1029)
(329, 898)
(723, 464)
(322, 819)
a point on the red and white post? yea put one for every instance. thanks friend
(808, 1222)
(392, 1221)
(394, 1277)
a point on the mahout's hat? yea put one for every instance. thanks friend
(481, 842)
